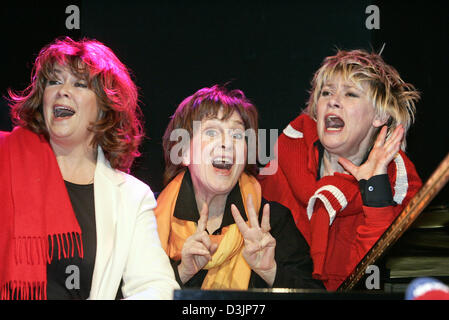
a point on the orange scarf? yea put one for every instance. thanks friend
(227, 269)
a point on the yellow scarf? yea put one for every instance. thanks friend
(227, 269)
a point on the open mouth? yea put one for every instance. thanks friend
(334, 123)
(222, 163)
(60, 111)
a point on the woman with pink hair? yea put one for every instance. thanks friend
(74, 224)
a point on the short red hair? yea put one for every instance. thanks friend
(203, 104)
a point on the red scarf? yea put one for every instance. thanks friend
(296, 189)
(35, 209)
(335, 249)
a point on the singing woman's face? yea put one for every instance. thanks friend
(70, 106)
(346, 118)
(218, 153)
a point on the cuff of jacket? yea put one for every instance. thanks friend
(376, 191)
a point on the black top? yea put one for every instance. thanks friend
(294, 265)
(71, 278)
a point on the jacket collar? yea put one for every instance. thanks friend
(108, 206)
(104, 169)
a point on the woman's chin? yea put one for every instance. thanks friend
(61, 136)
(222, 184)
(331, 143)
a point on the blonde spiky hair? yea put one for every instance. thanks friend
(392, 98)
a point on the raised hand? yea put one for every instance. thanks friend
(259, 244)
(380, 156)
(198, 249)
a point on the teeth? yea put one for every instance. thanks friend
(222, 160)
(334, 122)
(221, 163)
(330, 118)
(62, 111)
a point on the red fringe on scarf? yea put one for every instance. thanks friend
(36, 250)
(23, 290)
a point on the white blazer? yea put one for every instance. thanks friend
(128, 245)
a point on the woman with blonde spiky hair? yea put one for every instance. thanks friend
(342, 167)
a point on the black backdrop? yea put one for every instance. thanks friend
(269, 49)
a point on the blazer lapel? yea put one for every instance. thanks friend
(107, 205)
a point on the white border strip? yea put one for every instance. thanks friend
(401, 184)
(291, 132)
(336, 193)
(330, 210)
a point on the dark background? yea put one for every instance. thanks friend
(268, 49)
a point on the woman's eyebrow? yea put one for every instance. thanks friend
(239, 123)
(350, 86)
(234, 123)
(346, 86)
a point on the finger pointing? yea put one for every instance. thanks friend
(266, 218)
(238, 219)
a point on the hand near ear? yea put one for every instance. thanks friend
(380, 156)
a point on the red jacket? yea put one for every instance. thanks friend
(329, 212)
